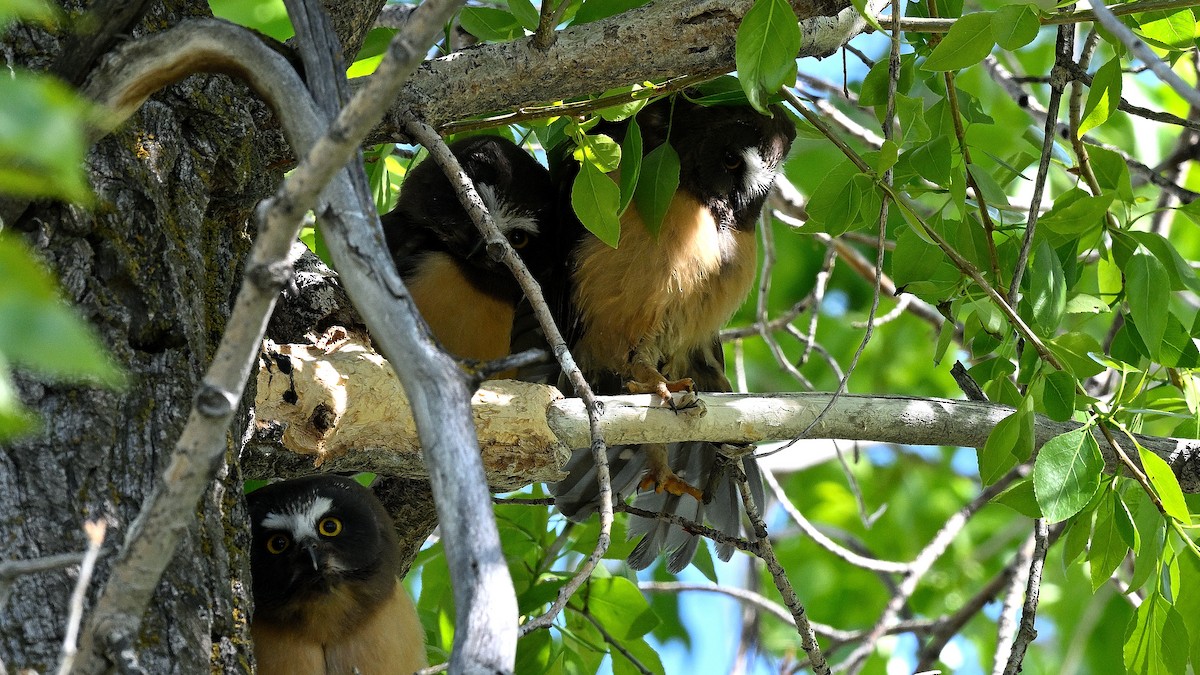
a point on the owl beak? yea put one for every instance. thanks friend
(313, 555)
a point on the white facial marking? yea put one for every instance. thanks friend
(301, 519)
(759, 177)
(507, 217)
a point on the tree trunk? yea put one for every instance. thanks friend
(153, 265)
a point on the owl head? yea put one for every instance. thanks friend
(314, 536)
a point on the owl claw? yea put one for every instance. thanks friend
(670, 483)
(665, 389)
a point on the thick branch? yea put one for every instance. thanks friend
(524, 427)
(595, 57)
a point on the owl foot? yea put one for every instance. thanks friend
(652, 382)
(667, 481)
(660, 477)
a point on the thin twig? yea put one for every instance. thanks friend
(1063, 50)
(94, 530)
(825, 542)
(691, 527)
(615, 643)
(923, 562)
(499, 246)
(1006, 622)
(1106, 18)
(808, 638)
(1027, 632)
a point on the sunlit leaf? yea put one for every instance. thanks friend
(768, 40)
(1103, 96)
(1014, 26)
(489, 23)
(967, 43)
(1165, 485)
(1147, 290)
(596, 201)
(1153, 644)
(1066, 473)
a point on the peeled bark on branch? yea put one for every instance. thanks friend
(343, 407)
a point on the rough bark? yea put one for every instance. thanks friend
(153, 266)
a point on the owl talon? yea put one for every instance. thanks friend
(661, 386)
(670, 483)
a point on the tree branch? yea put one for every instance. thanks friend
(519, 423)
(583, 61)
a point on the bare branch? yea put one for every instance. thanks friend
(1027, 632)
(825, 542)
(95, 530)
(582, 62)
(923, 562)
(808, 638)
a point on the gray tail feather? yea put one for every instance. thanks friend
(578, 495)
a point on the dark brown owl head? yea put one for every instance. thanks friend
(313, 535)
(514, 187)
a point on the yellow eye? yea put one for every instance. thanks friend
(732, 161)
(519, 239)
(330, 527)
(278, 544)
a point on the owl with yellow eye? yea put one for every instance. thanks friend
(327, 598)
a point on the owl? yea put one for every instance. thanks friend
(327, 599)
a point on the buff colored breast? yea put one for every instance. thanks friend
(469, 323)
(660, 295)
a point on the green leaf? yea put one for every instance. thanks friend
(1177, 349)
(1014, 26)
(527, 14)
(631, 162)
(38, 330)
(488, 23)
(1059, 395)
(1178, 270)
(1156, 641)
(1075, 539)
(768, 40)
(1169, 29)
(1009, 444)
(42, 139)
(14, 418)
(1066, 474)
(1076, 215)
(967, 43)
(656, 185)
(1147, 290)
(596, 200)
(875, 85)
(1108, 549)
(35, 10)
(1020, 497)
(1086, 304)
(1165, 484)
(647, 659)
(1103, 96)
(931, 160)
(618, 605)
(1112, 173)
(600, 150)
(1048, 290)
(1152, 530)
(910, 110)
(535, 652)
(835, 205)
